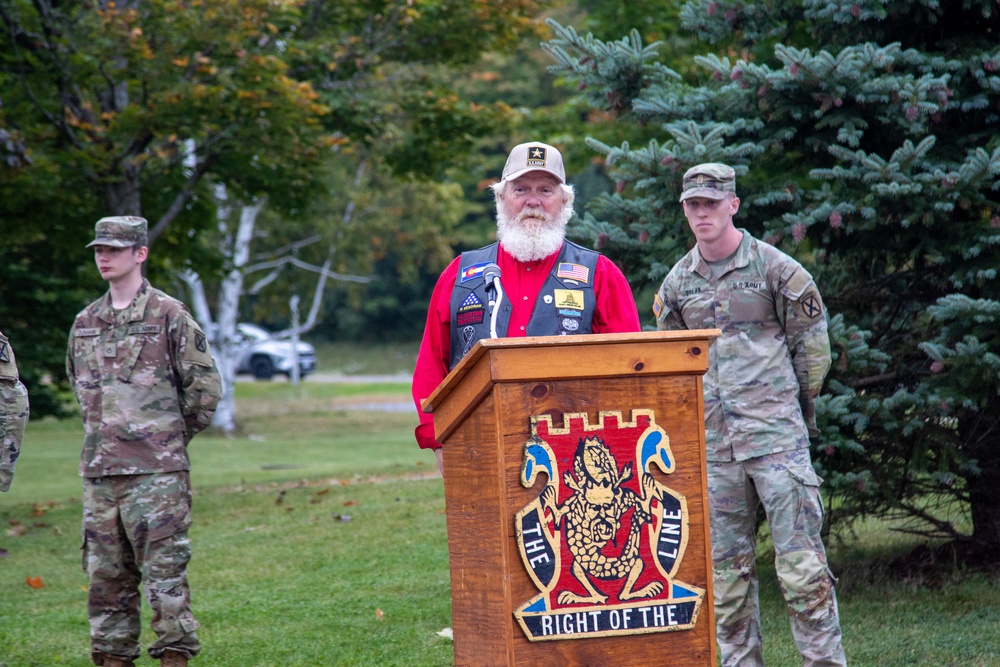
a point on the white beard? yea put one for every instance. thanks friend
(528, 240)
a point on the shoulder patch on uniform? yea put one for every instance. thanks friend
(196, 349)
(8, 366)
(810, 305)
(657, 305)
(797, 283)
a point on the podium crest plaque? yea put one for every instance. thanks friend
(603, 539)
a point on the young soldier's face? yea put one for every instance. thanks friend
(710, 219)
(115, 263)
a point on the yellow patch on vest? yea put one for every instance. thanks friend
(569, 298)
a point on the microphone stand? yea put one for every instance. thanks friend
(495, 306)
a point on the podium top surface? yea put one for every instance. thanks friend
(591, 355)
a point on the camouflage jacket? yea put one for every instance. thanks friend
(767, 368)
(13, 413)
(146, 381)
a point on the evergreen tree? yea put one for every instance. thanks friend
(865, 139)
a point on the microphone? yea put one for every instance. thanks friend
(491, 274)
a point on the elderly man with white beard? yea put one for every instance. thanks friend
(548, 286)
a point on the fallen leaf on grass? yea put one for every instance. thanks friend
(446, 633)
(341, 517)
(4, 553)
(35, 582)
(348, 503)
(379, 614)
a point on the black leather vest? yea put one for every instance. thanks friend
(565, 304)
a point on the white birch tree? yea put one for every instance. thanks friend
(236, 247)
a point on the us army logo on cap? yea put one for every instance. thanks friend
(536, 156)
(603, 544)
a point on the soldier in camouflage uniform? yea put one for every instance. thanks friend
(765, 372)
(143, 373)
(14, 414)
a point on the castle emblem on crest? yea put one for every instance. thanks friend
(603, 540)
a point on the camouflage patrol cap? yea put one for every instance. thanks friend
(120, 231)
(711, 180)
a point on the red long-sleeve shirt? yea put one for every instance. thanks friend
(615, 312)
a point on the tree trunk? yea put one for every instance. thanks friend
(230, 292)
(123, 195)
(984, 489)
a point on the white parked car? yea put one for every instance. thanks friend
(263, 355)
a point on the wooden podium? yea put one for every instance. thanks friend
(517, 412)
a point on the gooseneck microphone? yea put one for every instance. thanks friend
(494, 289)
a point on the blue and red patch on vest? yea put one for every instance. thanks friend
(472, 271)
(470, 311)
(603, 540)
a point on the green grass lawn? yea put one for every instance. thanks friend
(320, 539)
(360, 359)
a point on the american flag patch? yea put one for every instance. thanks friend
(471, 302)
(470, 272)
(573, 272)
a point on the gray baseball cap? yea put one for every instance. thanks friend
(711, 180)
(120, 231)
(534, 156)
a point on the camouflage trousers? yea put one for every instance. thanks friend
(788, 488)
(135, 532)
